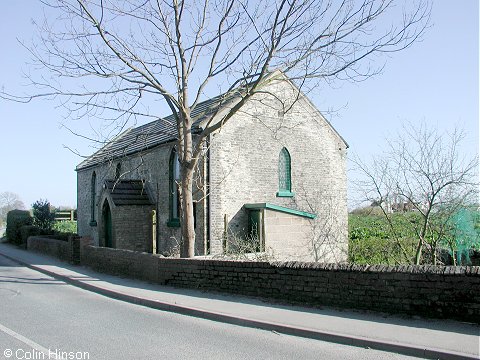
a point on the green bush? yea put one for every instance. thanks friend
(30, 230)
(15, 220)
(65, 226)
(42, 215)
(60, 236)
(371, 240)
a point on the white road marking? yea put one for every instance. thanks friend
(25, 340)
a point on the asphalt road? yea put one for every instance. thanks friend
(41, 317)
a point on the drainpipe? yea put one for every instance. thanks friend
(208, 205)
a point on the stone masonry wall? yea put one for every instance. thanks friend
(130, 221)
(287, 236)
(152, 166)
(432, 291)
(244, 169)
(57, 248)
(63, 250)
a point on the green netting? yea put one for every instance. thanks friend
(465, 224)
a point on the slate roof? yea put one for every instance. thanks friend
(164, 130)
(128, 192)
(155, 133)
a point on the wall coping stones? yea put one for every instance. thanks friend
(426, 290)
(406, 269)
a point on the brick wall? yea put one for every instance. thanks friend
(432, 291)
(63, 250)
(133, 227)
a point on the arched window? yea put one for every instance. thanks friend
(93, 195)
(174, 196)
(284, 174)
(118, 171)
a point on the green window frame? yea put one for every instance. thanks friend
(284, 174)
(93, 195)
(173, 193)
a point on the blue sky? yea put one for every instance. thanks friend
(436, 81)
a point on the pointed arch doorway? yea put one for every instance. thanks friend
(107, 224)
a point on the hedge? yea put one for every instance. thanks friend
(15, 220)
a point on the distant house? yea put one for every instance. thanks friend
(273, 176)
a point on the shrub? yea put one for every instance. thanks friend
(371, 240)
(15, 220)
(60, 236)
(29, 230)
(65, 226)
(42, 216)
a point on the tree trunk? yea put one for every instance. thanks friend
(186, 194)
(421, 237)
(436, 250)
(454, 258)
(187, 216)
(418, 253)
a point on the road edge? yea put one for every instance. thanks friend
(343, 339)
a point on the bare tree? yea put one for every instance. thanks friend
(326, 231)
(9, 201)
(107, 57)
(422, 170)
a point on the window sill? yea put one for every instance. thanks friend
(174, 223)
(93, 223)
(285, 194)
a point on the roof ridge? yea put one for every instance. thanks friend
(163, 129)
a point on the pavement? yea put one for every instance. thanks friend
(425, 338)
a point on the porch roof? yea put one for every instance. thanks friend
(287, 210)
(128, 192)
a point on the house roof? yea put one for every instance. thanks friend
(128, 192)
(164, 130)
(155, 133)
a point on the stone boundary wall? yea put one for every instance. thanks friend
(431, 291)
(63, 250)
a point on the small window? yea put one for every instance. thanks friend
(93, 195)
(284, 174)
(174, 196)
